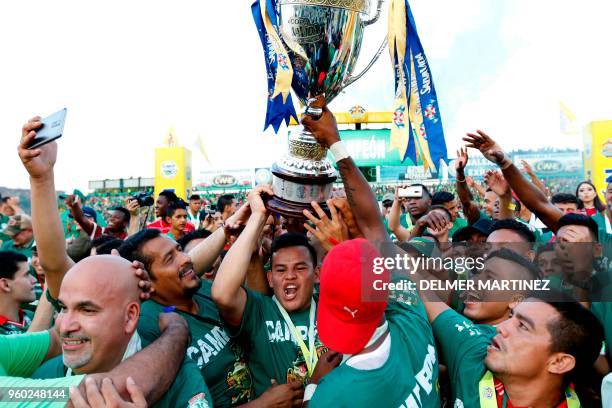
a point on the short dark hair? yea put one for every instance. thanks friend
(224, 200)
(441, 208)
(518, 227)
(174, 206)
(105, 244)
(576, 332)
(292, 239)
(131, 248)
(425, 189)
(579, 219)
(124, 211)
(195, 197)
(9, 263)
(564, 198)
(170, 196)
(442, 197)
(197, 234)
(544, 248)
(509, 255)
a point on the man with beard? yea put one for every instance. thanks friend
(279, 331)
(177, 286)
(87, 308)
(537, 353)
(97, 328)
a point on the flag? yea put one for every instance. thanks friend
(567, 120)
(417, 124)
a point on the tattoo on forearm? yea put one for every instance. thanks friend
(345, 169)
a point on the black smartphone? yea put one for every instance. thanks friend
(52, 128)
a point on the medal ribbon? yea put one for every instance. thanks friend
(310, 352)
(488, 397)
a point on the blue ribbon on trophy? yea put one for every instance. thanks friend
(278, 66)
(417, 126)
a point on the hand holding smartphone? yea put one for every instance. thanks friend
(52, 129)
(410, 192)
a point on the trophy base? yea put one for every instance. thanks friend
(292, 210)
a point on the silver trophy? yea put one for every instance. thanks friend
(323, 39)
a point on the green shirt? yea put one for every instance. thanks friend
(409, 377)
(24, 250)
(457, 225)
(272, 350)
(603, 312)
(3, 224)
(187, 390)
(463, 349)
(221, 362)
(9, 327)
(23, 353)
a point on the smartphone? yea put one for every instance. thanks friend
(52, 129)
(410, 192)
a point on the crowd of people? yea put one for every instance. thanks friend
(222, 303)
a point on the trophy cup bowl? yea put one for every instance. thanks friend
(323, 39)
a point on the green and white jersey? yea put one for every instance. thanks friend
(272, 350)
(220, 360)
(10, 327)
(188, 389)
(463, 349)
(409, 377)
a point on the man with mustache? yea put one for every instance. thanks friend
(537, 353)
(97, 291)
(177, 285)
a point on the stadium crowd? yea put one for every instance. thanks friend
(214, 301)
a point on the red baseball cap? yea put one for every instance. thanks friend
(350, 307)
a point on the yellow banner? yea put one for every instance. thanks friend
(173, 171)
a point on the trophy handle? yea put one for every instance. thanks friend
(376, 16)
(354, 78)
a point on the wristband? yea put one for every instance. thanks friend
(309, 392)
(512, 206)
(339, 151)
(460, 181)
(333, 241)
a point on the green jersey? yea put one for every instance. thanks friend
(22, 354)
(3, 224)
(220, 360)
(187, 390)
(457, 225)
(10, 327)
(273, 352)
(603, 312)
(463, 349)
(408, 378)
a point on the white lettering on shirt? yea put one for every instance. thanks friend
(424, 379)
(209, 346)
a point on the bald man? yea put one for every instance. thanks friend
(100, 307)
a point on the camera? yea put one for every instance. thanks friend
(143, 199)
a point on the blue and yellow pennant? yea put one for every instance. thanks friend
(416, 130)
(278, 65)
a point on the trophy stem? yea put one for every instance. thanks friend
(301, 176)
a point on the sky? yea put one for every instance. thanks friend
(128, 71)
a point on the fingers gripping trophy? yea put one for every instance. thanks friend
(311, 47)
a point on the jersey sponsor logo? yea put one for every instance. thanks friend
(424, 380)
(278, 332)
(208, 346)
(198, 401)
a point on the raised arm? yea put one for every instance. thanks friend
(206, 252)
(534, 179)
(529, 194)
(358, 191)
(46, 222)
(73, 204)
(496, 182)
(395, 225)
(227, 291)
(470, 209)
